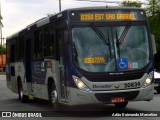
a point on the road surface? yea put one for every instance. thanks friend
(9, 103)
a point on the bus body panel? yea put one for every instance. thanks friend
(116, 85)
(40, 90)
(18, 72)
(79, 97)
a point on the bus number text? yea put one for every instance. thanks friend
(132, 85)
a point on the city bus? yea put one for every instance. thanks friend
(81, 56)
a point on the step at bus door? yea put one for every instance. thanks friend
(61, 57)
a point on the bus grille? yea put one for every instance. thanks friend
(108, 78)
(106, 97)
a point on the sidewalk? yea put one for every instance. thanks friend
(2, 73)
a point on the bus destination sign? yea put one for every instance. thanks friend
(103, 17)
(107, 16)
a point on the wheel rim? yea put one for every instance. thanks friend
(21, 93)
(54, 96)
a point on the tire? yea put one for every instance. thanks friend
(158, 91)
(53, 98)
(121, 105)
(23, 98)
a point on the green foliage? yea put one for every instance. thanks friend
(129, 3)
(153, 12)
(2, 49)
(153, 8)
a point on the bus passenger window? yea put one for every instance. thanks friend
(38, 38)
(12, 58)
(21, 48)
(48, 41)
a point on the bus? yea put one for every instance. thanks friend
(81, 56)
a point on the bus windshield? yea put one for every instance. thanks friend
(110, 49)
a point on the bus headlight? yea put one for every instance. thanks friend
(147, 82)
(80, 84)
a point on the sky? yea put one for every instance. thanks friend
(17, 14)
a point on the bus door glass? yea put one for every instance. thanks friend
(12, 66)
(28, 60)
(60, 57)
(28, 68)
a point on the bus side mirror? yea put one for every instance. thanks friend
(153, 44)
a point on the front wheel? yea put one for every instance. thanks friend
(158, 91)
(121, 105)
(53, 98)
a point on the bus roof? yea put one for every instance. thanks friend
(49, 19)
(105, 7)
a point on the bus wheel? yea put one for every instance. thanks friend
(53, 98)
(158, 91)
(22, 97)
(121, 105)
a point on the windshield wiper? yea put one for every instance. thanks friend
(100, 34)
(75, 54)
(117, 44)
(123, 35)
(121, 38)
(104, 39)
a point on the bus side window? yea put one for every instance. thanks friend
(48, 41)
(12, 57)
(21, 48)
(38, 38)
(17, 49)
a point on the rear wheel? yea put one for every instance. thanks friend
(121, 105)
(22, 97)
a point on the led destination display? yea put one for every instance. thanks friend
(97, 17)
(92, 16)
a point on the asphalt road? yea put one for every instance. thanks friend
(9, 102)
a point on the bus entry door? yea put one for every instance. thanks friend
(28, 70)
(62, 84)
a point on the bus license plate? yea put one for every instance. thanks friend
(118, 99)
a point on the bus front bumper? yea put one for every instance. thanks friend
(79, 97)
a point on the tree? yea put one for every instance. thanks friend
(153, 8)
(2, 49)
(129, 3)
(153, 12)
